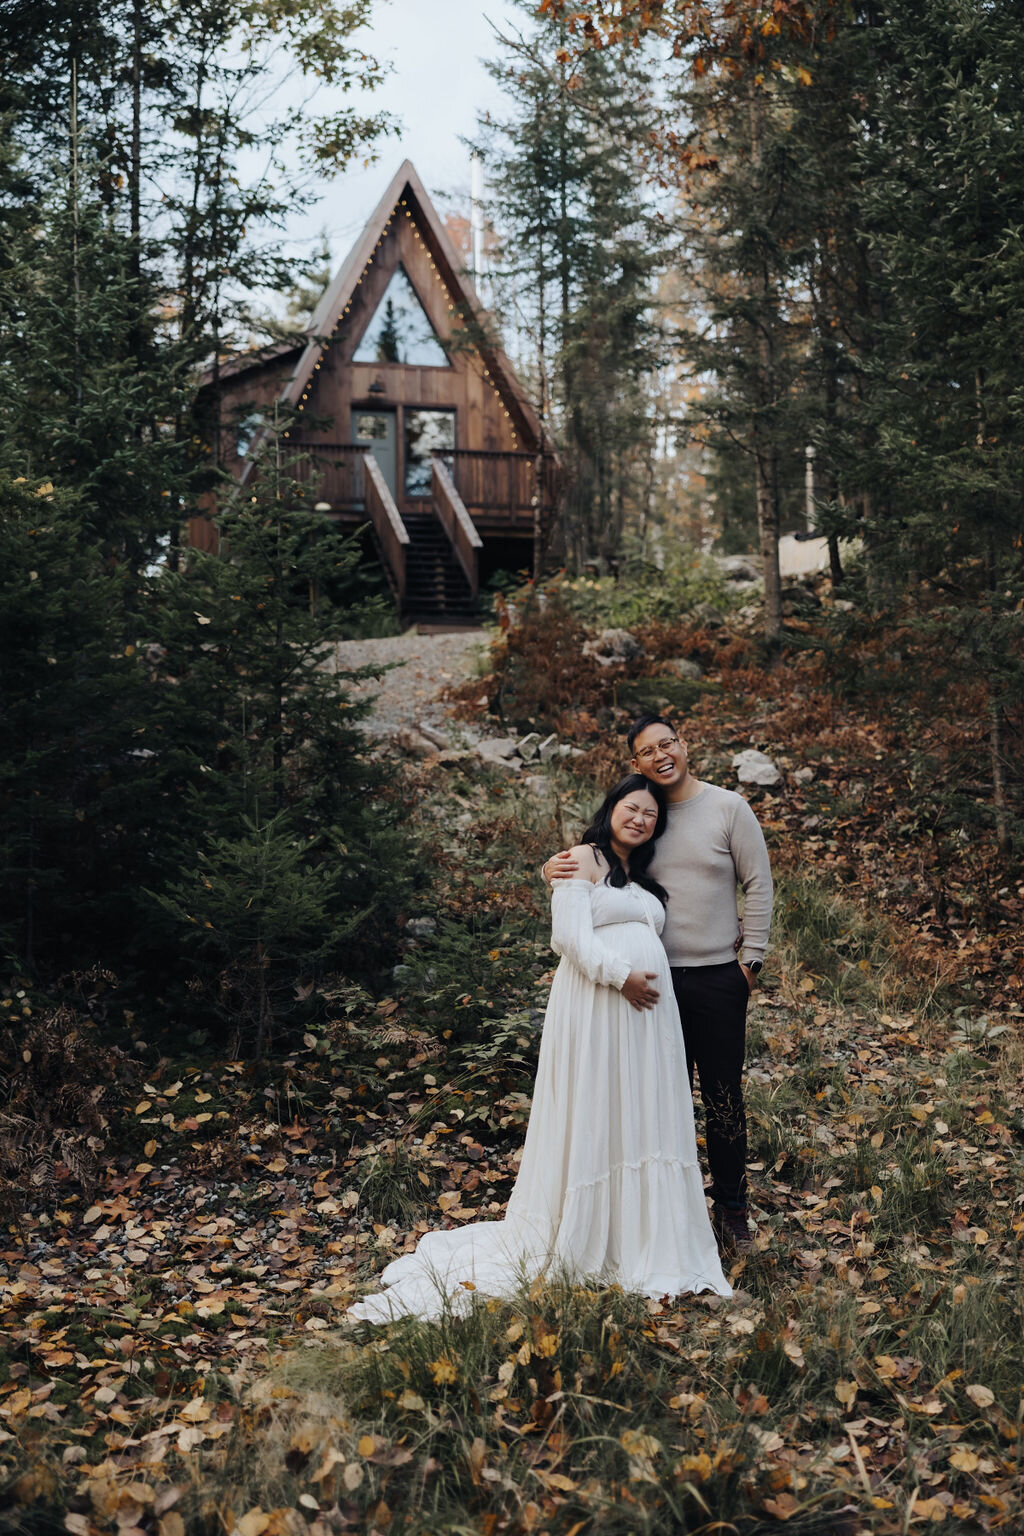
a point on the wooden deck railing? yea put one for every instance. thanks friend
(457, 523)
(498, 489)
(390, 530)
(494, 482)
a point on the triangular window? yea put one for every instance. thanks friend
(399, 331)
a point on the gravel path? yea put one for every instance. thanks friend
(407, 696)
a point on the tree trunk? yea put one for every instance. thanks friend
(835, 561)
(996, 754)
(766, 473)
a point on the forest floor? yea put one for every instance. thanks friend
(177, 1360)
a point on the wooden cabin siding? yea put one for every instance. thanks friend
(496, 434)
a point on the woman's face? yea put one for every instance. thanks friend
(634, 819)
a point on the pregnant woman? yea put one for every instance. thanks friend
(608, 1187)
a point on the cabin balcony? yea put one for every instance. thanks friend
(500, 491)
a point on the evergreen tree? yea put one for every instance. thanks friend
(940, 491)
(575, 271)
(745, 243)
(135, 736)
(72, 763)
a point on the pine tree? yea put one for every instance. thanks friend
(941, 487)
(575, 271)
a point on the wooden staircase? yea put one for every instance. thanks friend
(436, 587)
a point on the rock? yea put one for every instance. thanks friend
(612, 647)
(548, 747)
(414, 743)
(756, 768)
(529, 747)
(566, 751)
(440, 740)
(499, 752)
(843, 605)
(739, 568)
(708, 615)
(540, 785)
(498, 746)
(682, 666)
(419, 927)
(803, 775)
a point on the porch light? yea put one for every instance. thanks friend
(378, 387)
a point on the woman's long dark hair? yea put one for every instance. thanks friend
(599, 836)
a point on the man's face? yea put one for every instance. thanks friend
(660, 756)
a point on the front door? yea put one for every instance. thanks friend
(374, 429)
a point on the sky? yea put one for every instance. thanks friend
(436, 87)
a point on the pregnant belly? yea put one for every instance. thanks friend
(637, 943)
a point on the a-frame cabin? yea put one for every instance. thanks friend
(432, 441)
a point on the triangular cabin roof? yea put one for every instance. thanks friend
(405, 194)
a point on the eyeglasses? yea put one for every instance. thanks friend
(646, 753)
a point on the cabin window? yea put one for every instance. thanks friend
(426, 433)
(371, 427)
(247, 431)
(399, 330)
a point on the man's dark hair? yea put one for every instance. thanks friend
(599, 836)
(641, 724)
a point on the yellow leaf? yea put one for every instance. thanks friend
(964, 1460)
(803, 75)
(150, 1148)
(846, 1392)
(328, 1464)
(411, 1401)
(634, 1443)
(367, 1445)
(140, 1109)
(444, 1372)
(930, 1509)
(171, 1525)
(252, 1524)
(197, 1411)
(557, 1480)
(547, 1345)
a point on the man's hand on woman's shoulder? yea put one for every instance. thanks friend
(568, 864)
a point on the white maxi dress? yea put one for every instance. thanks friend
(609, 1187)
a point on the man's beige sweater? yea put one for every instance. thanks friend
(713, 843)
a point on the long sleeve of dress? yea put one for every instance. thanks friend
(573, 936)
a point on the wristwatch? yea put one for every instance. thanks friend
(754, 966)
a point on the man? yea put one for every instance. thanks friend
(712, 843)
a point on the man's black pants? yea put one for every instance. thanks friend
(713, 1006)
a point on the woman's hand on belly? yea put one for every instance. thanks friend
(637, 990)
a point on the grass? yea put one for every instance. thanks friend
(867, 1376)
